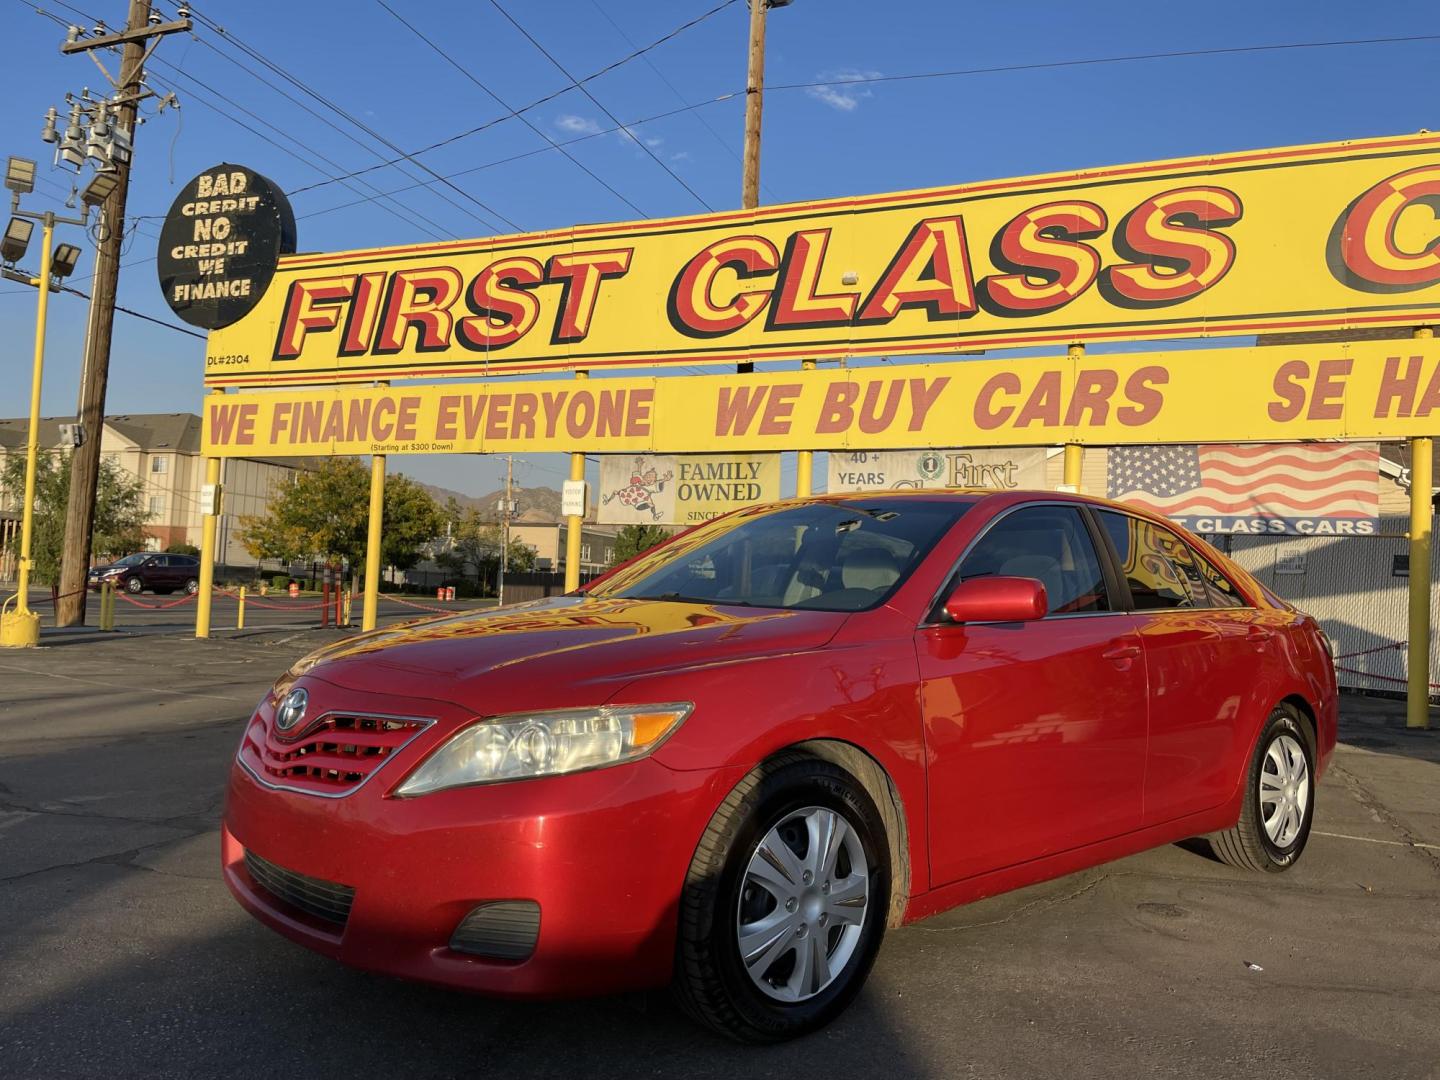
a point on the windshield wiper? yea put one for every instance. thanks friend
(681, 598)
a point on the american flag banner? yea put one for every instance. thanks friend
(1306, 489)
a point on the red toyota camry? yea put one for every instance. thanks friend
(732, 763)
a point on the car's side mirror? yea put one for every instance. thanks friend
(997, 599)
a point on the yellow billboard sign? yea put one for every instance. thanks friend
(1373, 389)
(1315, 237)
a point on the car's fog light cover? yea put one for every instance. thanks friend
(503, 930)
(523, 746)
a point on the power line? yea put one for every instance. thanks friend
(596, 102)
(449, 139)
(1101, 60)
(330, 104)
(724, 143)
(504, 105)
(531, 153)
(409, 215)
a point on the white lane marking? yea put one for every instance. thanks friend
(1372, 840)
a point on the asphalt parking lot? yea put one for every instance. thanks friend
(122, 954)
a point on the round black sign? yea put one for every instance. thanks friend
(220, 244)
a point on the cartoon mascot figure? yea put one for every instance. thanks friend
(639, 494)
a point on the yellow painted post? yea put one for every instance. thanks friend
(371, 607)
(107, 606)
(1417, 690)
(204, 595)
(1074, 453)
(20, 628)
(574, 525)
(240, 611)
(805, 459)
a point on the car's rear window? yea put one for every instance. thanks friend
(829, 556)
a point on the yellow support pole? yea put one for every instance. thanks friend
(574, 526)
(371, 607)
(240, 611)
(805, 459)
(1074, 464)
(205, 594)
(1417, 690)
(107, 606)
(1074, 453)
(20, 628)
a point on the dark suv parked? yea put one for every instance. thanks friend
(160, 573)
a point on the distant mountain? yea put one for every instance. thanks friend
(543, 500)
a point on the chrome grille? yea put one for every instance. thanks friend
(324, 900)
(332, 756)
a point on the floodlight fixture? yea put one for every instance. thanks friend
(62, 263)
(20, 175)
(99, 188)
(16, 240)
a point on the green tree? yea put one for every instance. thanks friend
(119, 510)
(633, 539)
(324, 514)
(473, 547)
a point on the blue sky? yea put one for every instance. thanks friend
(817, 142)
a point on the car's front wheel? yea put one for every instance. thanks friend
(134, 586)
(1279, 799)
(785, 903)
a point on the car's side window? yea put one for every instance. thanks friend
(1157, 564)
(1050, 544)
(1223, 592)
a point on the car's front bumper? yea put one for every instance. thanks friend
(603, 853)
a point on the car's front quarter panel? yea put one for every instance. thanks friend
(860, 689)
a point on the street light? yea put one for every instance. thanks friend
(17, 239)
(62, 264)
(20, 175)
(19, 626)
(101, 185)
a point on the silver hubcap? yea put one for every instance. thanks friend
(1284, 790)
(802, 904)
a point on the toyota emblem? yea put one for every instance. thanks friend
(292, 709)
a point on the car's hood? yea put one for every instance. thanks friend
(549, 650)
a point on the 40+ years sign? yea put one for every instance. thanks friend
(1378, 389)
(1329, 236)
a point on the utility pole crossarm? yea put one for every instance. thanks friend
(127, 36)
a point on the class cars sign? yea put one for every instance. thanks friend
(1330, 236)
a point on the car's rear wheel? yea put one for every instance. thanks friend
(1279, 799)
(134, 586)
(192, 586)
(785, 903)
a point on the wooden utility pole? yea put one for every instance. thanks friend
(136, 40)
(754, 101)
(507, 508)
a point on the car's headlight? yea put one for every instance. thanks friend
(526, 745)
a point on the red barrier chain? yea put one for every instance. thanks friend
(420, 607)
(156, 607)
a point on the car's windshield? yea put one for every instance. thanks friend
(132, 560)
(840, 556)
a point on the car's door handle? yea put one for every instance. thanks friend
(1121, 652)
(1259, 635)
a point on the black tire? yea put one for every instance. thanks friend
(1248, 845)
(192, 586)
(134, 586)
(711, 983)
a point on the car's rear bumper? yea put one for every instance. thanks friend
(603, 854)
